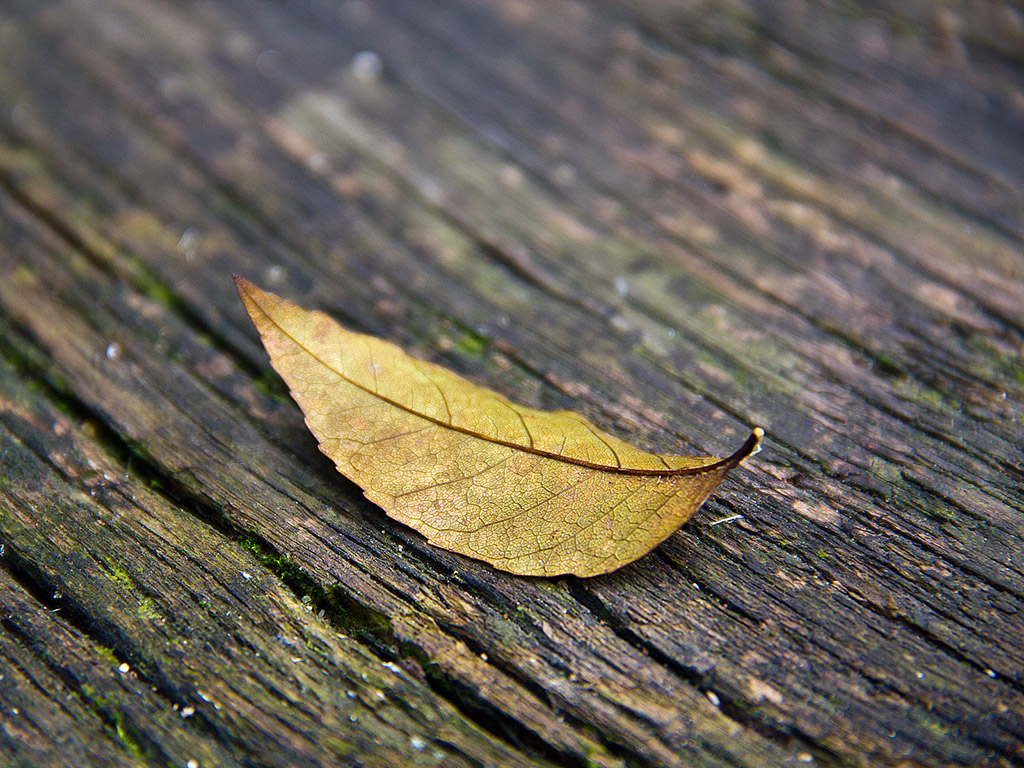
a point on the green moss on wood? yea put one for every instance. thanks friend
(338, 607)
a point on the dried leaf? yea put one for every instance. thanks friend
(528, 491)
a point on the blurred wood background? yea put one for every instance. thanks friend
(680, 219)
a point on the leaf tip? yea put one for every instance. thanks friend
(243, 286)
(251, 296)
(749, 448)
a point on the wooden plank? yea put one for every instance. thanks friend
(678, 225)
(192, 650)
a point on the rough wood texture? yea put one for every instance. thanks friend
(679, 221)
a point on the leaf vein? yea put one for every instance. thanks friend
(728, 462)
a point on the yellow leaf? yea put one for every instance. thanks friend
(532, 492)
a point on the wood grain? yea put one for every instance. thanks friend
(754, 214)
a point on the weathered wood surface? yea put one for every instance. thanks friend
(680, 222)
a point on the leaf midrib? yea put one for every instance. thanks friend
(728, 462)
